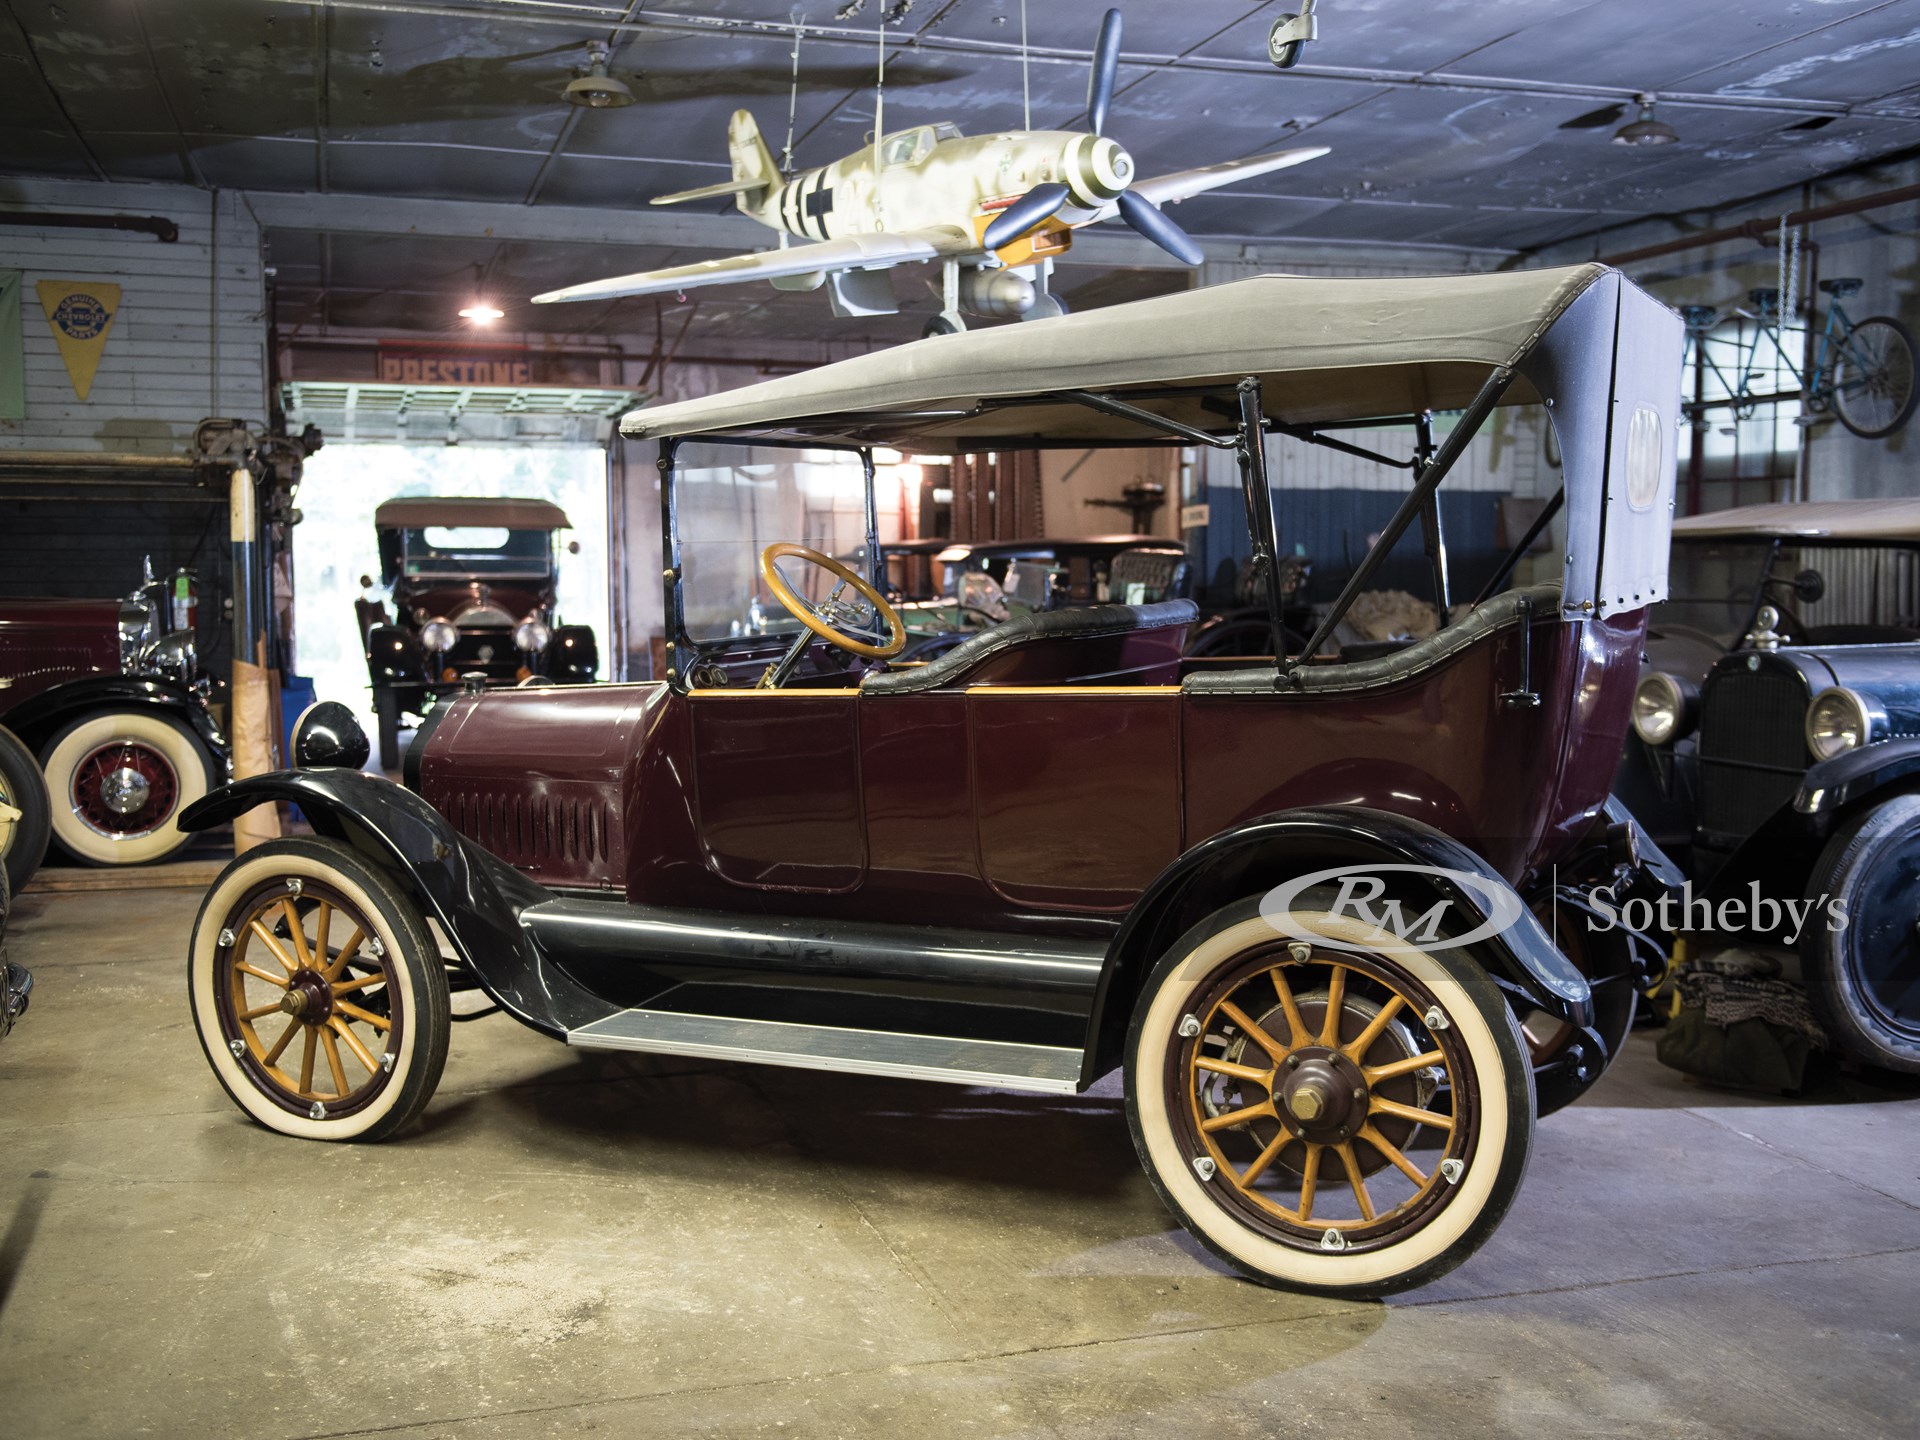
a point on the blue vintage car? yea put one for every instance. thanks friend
(1776, 748)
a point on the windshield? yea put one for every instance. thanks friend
(462, 550)
(1714, 584)
(734, 500)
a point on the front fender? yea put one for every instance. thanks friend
(36, 720)
(394, 657)
(476, 897)
(1832, 785)
(572, 655)
(1252, 858)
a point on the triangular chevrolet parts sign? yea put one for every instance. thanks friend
(80, 313)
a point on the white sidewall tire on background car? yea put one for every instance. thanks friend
(410, 952)
(168, 737)
(1479, 1015)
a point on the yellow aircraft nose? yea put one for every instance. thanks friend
(1095, 168)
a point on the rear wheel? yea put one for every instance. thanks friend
(1332, 1116)
(23, 842)
(1873, 380)
(119, 780)
(1863, 980)
(318, 993)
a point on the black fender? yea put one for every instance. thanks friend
(476, 897)
(572, 655)
(1252, 858)
(36, 719)
(394, 657)
(1831, 786)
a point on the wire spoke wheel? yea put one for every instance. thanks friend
(124, 788)
(1873, 380)
(319, 995)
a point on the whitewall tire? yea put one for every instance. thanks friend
(118, 781)
(1346, 1117)
(318, 993)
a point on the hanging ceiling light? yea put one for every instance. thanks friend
(597, 90)
(1647, 130)
(480, 310)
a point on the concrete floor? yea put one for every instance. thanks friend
(618, 1245)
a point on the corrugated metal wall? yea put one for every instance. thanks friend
(188, 340)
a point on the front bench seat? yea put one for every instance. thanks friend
(1058, 647)
(1536, 602)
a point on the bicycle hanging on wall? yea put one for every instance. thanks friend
(1862, 371)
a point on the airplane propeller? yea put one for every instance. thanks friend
(1043, 202)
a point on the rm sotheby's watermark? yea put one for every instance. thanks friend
(1358, 893)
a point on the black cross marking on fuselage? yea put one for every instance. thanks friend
(820, 203)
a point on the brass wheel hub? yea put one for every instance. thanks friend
(309, 997)
(1322, 1095)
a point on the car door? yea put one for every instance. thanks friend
(1076, 791)
(777, 787)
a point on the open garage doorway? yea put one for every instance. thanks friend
(334, 544)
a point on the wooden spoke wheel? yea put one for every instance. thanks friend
(1327, 1115)
(319, 995)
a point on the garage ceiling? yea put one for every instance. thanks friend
(1481, 124)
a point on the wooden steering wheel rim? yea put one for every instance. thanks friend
(803, 612)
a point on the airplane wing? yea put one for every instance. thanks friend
(1178, 186)
(855, 252)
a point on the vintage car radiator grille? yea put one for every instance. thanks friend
(1752, 750)
(564, 838)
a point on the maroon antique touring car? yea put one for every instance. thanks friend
(473, 586)
(111, 700)
(1290, 897)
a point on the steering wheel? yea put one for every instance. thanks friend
(837, 620)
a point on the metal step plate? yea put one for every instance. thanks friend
(1044, 1068)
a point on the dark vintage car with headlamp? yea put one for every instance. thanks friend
(472, 586)
(110, 699)
(1302, 903)
(1777, 743)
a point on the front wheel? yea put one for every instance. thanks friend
(318, 993)
(1331, 1116)
(1873, 380)
(1861, 974)
(119, 780)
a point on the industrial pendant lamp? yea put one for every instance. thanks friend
(597, 90)
(1647, 130)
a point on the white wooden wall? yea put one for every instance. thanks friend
(189, 338)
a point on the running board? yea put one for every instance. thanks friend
(1045, 1068)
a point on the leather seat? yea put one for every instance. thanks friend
(1057, 641)
(1507, 608)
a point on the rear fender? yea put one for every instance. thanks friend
(476, 898)
(1255, 857)
(36, 720)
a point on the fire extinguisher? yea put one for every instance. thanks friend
(184, 602)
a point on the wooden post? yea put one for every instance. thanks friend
(250, 717)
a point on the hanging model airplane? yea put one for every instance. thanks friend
(994, 210)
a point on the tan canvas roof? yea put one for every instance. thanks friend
(471, 510)
(1897, 519)
(1326, 349)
